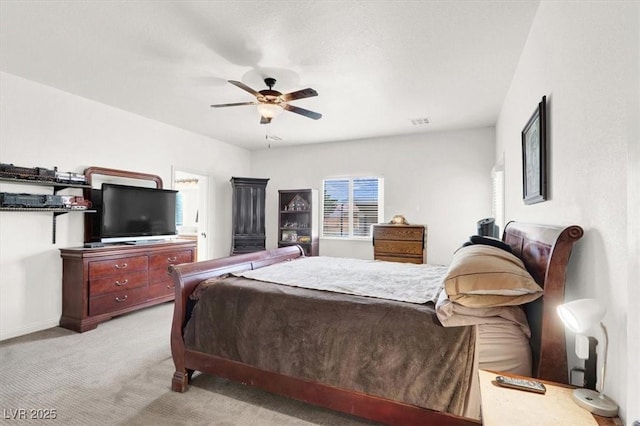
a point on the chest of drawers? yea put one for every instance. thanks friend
(400, 243)
(100, 283)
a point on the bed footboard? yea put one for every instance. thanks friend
(186, 278)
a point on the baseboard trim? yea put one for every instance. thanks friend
(31, 328)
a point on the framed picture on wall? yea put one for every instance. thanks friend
(534, 156)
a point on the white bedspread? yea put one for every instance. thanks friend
(403, 282)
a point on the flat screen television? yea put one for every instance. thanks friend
(134, 213)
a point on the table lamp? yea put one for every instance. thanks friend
(579, 316)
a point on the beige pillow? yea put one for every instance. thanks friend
(481, 276)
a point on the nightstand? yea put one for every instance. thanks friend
(508, 407)
(399, 243)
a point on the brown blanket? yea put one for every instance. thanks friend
(390, 349)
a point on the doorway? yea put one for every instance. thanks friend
(192, 209)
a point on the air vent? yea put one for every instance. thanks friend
(420, 121)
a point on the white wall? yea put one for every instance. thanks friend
(42, 126)
(442, 180)
(584, 57)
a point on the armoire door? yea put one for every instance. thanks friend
(248, 216)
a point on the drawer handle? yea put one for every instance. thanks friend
(170, 287)
(124, 265)
(172, 259)
(122, 299)
(118, 283)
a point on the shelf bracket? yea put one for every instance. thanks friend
(54, 221)
(53, 229)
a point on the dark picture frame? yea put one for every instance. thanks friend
(534, 156)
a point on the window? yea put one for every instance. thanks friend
(497, 196)
(350, 206)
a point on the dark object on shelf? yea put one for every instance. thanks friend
(71, 177)
(9, 171)
(8, 199)
(248, 217)
(298, 219)
(76, 202)
(487, 228)
(32, 173)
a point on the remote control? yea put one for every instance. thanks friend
(522, 384)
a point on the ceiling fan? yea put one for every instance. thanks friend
(270, 102)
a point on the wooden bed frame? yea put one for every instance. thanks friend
(544, 249)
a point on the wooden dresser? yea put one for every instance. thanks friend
(100, 283)
(400, 243)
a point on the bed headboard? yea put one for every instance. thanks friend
(545, 251)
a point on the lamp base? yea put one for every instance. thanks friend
(595, 402)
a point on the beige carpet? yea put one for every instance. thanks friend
(120, 374)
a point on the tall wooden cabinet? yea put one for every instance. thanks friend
(100, 283)
(249, 195)
(298, 219)
(400, 243)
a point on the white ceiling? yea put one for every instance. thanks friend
(376, 65)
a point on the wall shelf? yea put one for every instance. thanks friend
(57, 186)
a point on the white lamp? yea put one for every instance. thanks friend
(268, 110)
(579, 316)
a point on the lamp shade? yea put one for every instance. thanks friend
(269, 110)
(579, 316)
(582, 314)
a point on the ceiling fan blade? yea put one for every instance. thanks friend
(299, 94)
(244, 87)
(302, 111)
(234, 104)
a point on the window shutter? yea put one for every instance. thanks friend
(335, 208)
(351, 206)
(497, 196)
(365, 206)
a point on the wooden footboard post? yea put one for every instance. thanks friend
(180, 380)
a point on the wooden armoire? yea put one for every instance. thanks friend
(248, 215)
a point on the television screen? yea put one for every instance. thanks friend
(132, 213)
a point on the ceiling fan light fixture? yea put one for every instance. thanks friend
(269, 111)
(270, 102)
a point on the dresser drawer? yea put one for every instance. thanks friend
(160, 275)
(406, 259)
(117, 282)
(398, 247)
(163, 260)
(162, 289)
(398, 232)
(113, 302)
(105, 268)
